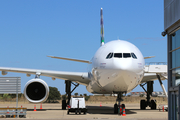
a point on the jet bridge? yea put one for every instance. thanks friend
(156, 67)
(160, 68)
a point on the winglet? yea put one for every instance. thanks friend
(102, 28)
(149, 57)
(77, 60)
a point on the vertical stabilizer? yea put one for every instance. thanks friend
(102, 28)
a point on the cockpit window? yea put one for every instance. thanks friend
(126, 55)
(110, 55)
(133, 55)
(118, 55)
(121, 55)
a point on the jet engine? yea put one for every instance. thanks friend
(36, 90)
(4, 73)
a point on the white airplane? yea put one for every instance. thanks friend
(117, 67)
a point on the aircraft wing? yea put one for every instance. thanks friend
(78, 77)
(149, 57)
(77, 60)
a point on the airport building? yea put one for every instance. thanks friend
(154, 94)
(172, 30)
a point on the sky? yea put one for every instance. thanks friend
(31, 30)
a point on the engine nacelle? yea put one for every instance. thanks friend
(36, 90)
(4, 73)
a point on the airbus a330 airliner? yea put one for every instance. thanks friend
(117, 67)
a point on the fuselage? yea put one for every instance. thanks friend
(117, 66)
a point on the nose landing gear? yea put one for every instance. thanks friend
(116, 106)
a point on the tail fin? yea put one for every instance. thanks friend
(102, 28)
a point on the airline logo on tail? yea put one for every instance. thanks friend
(102, 28)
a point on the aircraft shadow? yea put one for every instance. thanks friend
(42, 109)
(105, 110)
(145, 109)
(96, 110)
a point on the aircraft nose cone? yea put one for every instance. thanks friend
(124, 64)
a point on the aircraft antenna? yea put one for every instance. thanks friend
(102, 28)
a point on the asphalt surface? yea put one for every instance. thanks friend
(95, 111)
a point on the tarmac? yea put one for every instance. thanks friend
(95, 111)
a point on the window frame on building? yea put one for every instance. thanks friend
(173, 68)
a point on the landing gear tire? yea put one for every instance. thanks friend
(153, 105)
(143, 105)
(79, 111)
(115, 109)
(76, 112)
(63, 104)
(123, 105)
(21, 116)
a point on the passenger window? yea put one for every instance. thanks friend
(133, 55)
(118, 55)
(126, 55)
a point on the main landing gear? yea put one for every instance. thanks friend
(145, 103)
(152, 103)
(68, 93)
(116, 106)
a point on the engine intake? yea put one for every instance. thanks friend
(36, 90)
(4, 73)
